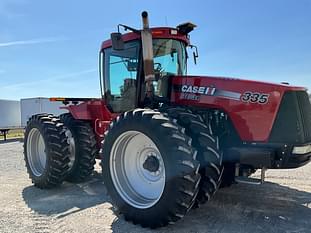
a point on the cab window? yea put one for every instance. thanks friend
(121, 71)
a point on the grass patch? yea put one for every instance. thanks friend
(14, 133)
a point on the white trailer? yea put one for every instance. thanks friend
(10, 116)
(32, 106)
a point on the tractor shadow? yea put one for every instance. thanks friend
(67, 199)
(243, 208)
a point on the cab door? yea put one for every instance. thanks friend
(120, 70)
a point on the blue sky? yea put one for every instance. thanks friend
(50, 48)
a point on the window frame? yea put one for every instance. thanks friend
(106, 66)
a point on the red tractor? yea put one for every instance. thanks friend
(167, 140)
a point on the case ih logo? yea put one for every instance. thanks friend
(190, 92)
(198, 90)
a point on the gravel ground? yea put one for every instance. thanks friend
(282, 204)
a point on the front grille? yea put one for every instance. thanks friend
(293, 121)
(305, 111)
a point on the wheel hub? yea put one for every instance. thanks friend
(137, 169)
(72, 148)
(36, 152)
(151, 164)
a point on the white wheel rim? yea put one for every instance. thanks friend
(36, 152)
(137, 169)
(72, 150)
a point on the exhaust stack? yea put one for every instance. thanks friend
(146, 37)
(144, 15)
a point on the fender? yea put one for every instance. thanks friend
(93, 110)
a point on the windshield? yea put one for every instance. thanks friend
(169, 56)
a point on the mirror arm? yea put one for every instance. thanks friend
(194, 58)
(125, 27)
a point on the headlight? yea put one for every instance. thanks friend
(302, 149)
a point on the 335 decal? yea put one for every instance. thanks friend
(254, 97)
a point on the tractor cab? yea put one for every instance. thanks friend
(125, 59)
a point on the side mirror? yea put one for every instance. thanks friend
(117, 41)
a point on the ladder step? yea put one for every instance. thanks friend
(247, 180)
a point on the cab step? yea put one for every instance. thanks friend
(247, 180)
(250, 180)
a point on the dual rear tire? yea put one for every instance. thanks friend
(58, 149)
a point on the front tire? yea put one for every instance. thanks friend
(149, 168)
(46, 151)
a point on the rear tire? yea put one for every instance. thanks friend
(46, 151)
(83, 148)
(165, 187)
(207, 146)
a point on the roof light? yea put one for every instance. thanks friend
(174, 32)
(157, 32)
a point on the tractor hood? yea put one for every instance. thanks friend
(246, 102)
(234, 83)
